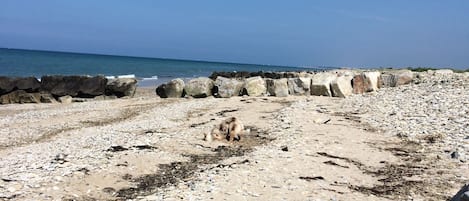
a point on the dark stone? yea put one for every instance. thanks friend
(28, 84)
(455, 155)
(284, 148)
(121, 87)
(75, 86)
(161, 91)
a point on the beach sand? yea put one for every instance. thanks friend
(298, 148)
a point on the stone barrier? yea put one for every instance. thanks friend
(335, 83)
(49, 89)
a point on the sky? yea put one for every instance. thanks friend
(338, 33)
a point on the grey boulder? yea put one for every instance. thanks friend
(255, 86)
(277, 87)
(172, 89)
(121, 87)
(299, 86)
(226, 87)
(199, 88)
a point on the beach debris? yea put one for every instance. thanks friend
(277, 87)
(255, 86)
(312, 178)
(300, 86)
(117, 148)
(172, 89)
(284, 148)
(455, 155)
(199, 88)
(60, 158)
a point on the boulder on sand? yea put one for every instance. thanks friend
(28, 84)
(321, 84)
(199, 88)
(362, 84)
(395, 78)
(342, 86)
(77, 86)
(255, 86)
(172, 89)
(277, 87)
(299, 86)
(373, 78)
(121, 87)
(225, 87)
(21, 97)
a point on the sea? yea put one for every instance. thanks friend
(148, 71)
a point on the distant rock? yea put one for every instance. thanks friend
(321, 84)
(172, 89)
(342, 86)
(277, 87)
(299, 86)
(121, 87)
(255, 86)
(443, 72)
(395, 78)
(226, 87)
(199, 88)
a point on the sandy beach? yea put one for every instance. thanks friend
(403, 143)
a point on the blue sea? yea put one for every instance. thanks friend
(149, 71)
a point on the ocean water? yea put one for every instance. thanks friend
(149, 71)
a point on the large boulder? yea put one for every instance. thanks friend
(255, 86)
(361, 84)
(299, 86)
(225, 87)
(28, 84)
(199, 88)
(342, 86)
(76, 86)
(373, 78)
(172, 89)
(321, 84)
(277, 87)
(20, 96)
(121, 87)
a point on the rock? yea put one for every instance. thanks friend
(443, 72)
(455, 155)
(226, 87)
(65, 99)
(373, 78)
(462, 194)
(199, 88)
(172, 89)
(6, 85)
(255, 86)
(342, 86)
(28, 84)
(299, 86)
(361, 84)
(20, 96)
(321, 84)
(284, 148)
(121, 87)
(277, 87)
(47, 98)
(395, 78)
(76, 86)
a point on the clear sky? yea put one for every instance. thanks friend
(365, 33)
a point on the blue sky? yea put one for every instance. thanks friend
(366, 33)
